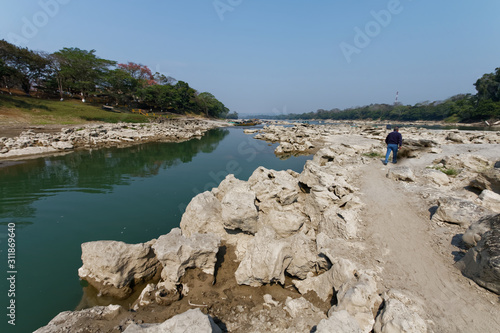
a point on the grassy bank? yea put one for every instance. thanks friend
(35, 111)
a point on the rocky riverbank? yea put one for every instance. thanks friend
(35, 141)
(290, 252)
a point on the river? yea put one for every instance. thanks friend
(130, 194)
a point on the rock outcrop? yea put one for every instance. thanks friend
(114, 268)
(458, 211)
(482, 262)
(103, 135)
(176, 253)
(399, 314)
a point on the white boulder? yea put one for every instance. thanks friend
(265, 260)
(176, 253)
(114, 267)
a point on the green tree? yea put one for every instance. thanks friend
(184, 97)
(488, 86)
(120, 86)
(27, 68)
(82, 71)
(211, 106)
(159, 97)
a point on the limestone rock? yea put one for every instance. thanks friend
(399, 315)
(465, 161)
(278, 186)
(238, 209)
(285, 222)
(476, 230)
(203, 215)
(176, 253)
(359, 297)
(345, 225)
(62, 145)
(114, 267)
(317, 203)
(401, 173)
(78, 321)
(339, 322)
(458, 211)
(190, 321)
(29, 151)
(482, 262)
(455, 137)
(305, 258)
(313, 175)
(229, 183)
(436, 176)
(265, 260)
(487, 180)
(490, 200)
(325, 284)
(305, 312)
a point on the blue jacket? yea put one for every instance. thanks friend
(394, 138)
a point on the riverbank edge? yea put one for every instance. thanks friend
(35, 141)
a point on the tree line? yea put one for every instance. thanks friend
(484, 105)
(75, 73)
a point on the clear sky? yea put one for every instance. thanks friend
(268, 57)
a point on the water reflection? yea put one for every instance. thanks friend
(94, 171)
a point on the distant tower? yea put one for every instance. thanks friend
(396, 101)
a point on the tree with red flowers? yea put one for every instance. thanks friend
(141, 73)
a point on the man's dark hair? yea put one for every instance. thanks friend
(396, 128)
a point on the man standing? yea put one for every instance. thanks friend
(394, 141)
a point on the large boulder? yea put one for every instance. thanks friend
(177, 253)
(114, 268)
(482, 262)
(476, 230)
(458, 211)
(436, 177)
(399, 315)
(203, 215)
(285, 222)
(271, 185)
(238, 208)
(402, 173)
(490, 200)
(469, 162)
(359, 297)
(313, 174)
(266, 259)
(305, 257)
(325, 284)
(456, 137)
(317, 202)
(488, 180)
(190, 321)
(337, 222)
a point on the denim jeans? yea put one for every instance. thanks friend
(394, 148)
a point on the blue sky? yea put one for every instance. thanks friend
(268, 57)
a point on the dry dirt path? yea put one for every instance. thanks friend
(399, 238)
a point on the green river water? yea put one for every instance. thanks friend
(50, 205)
